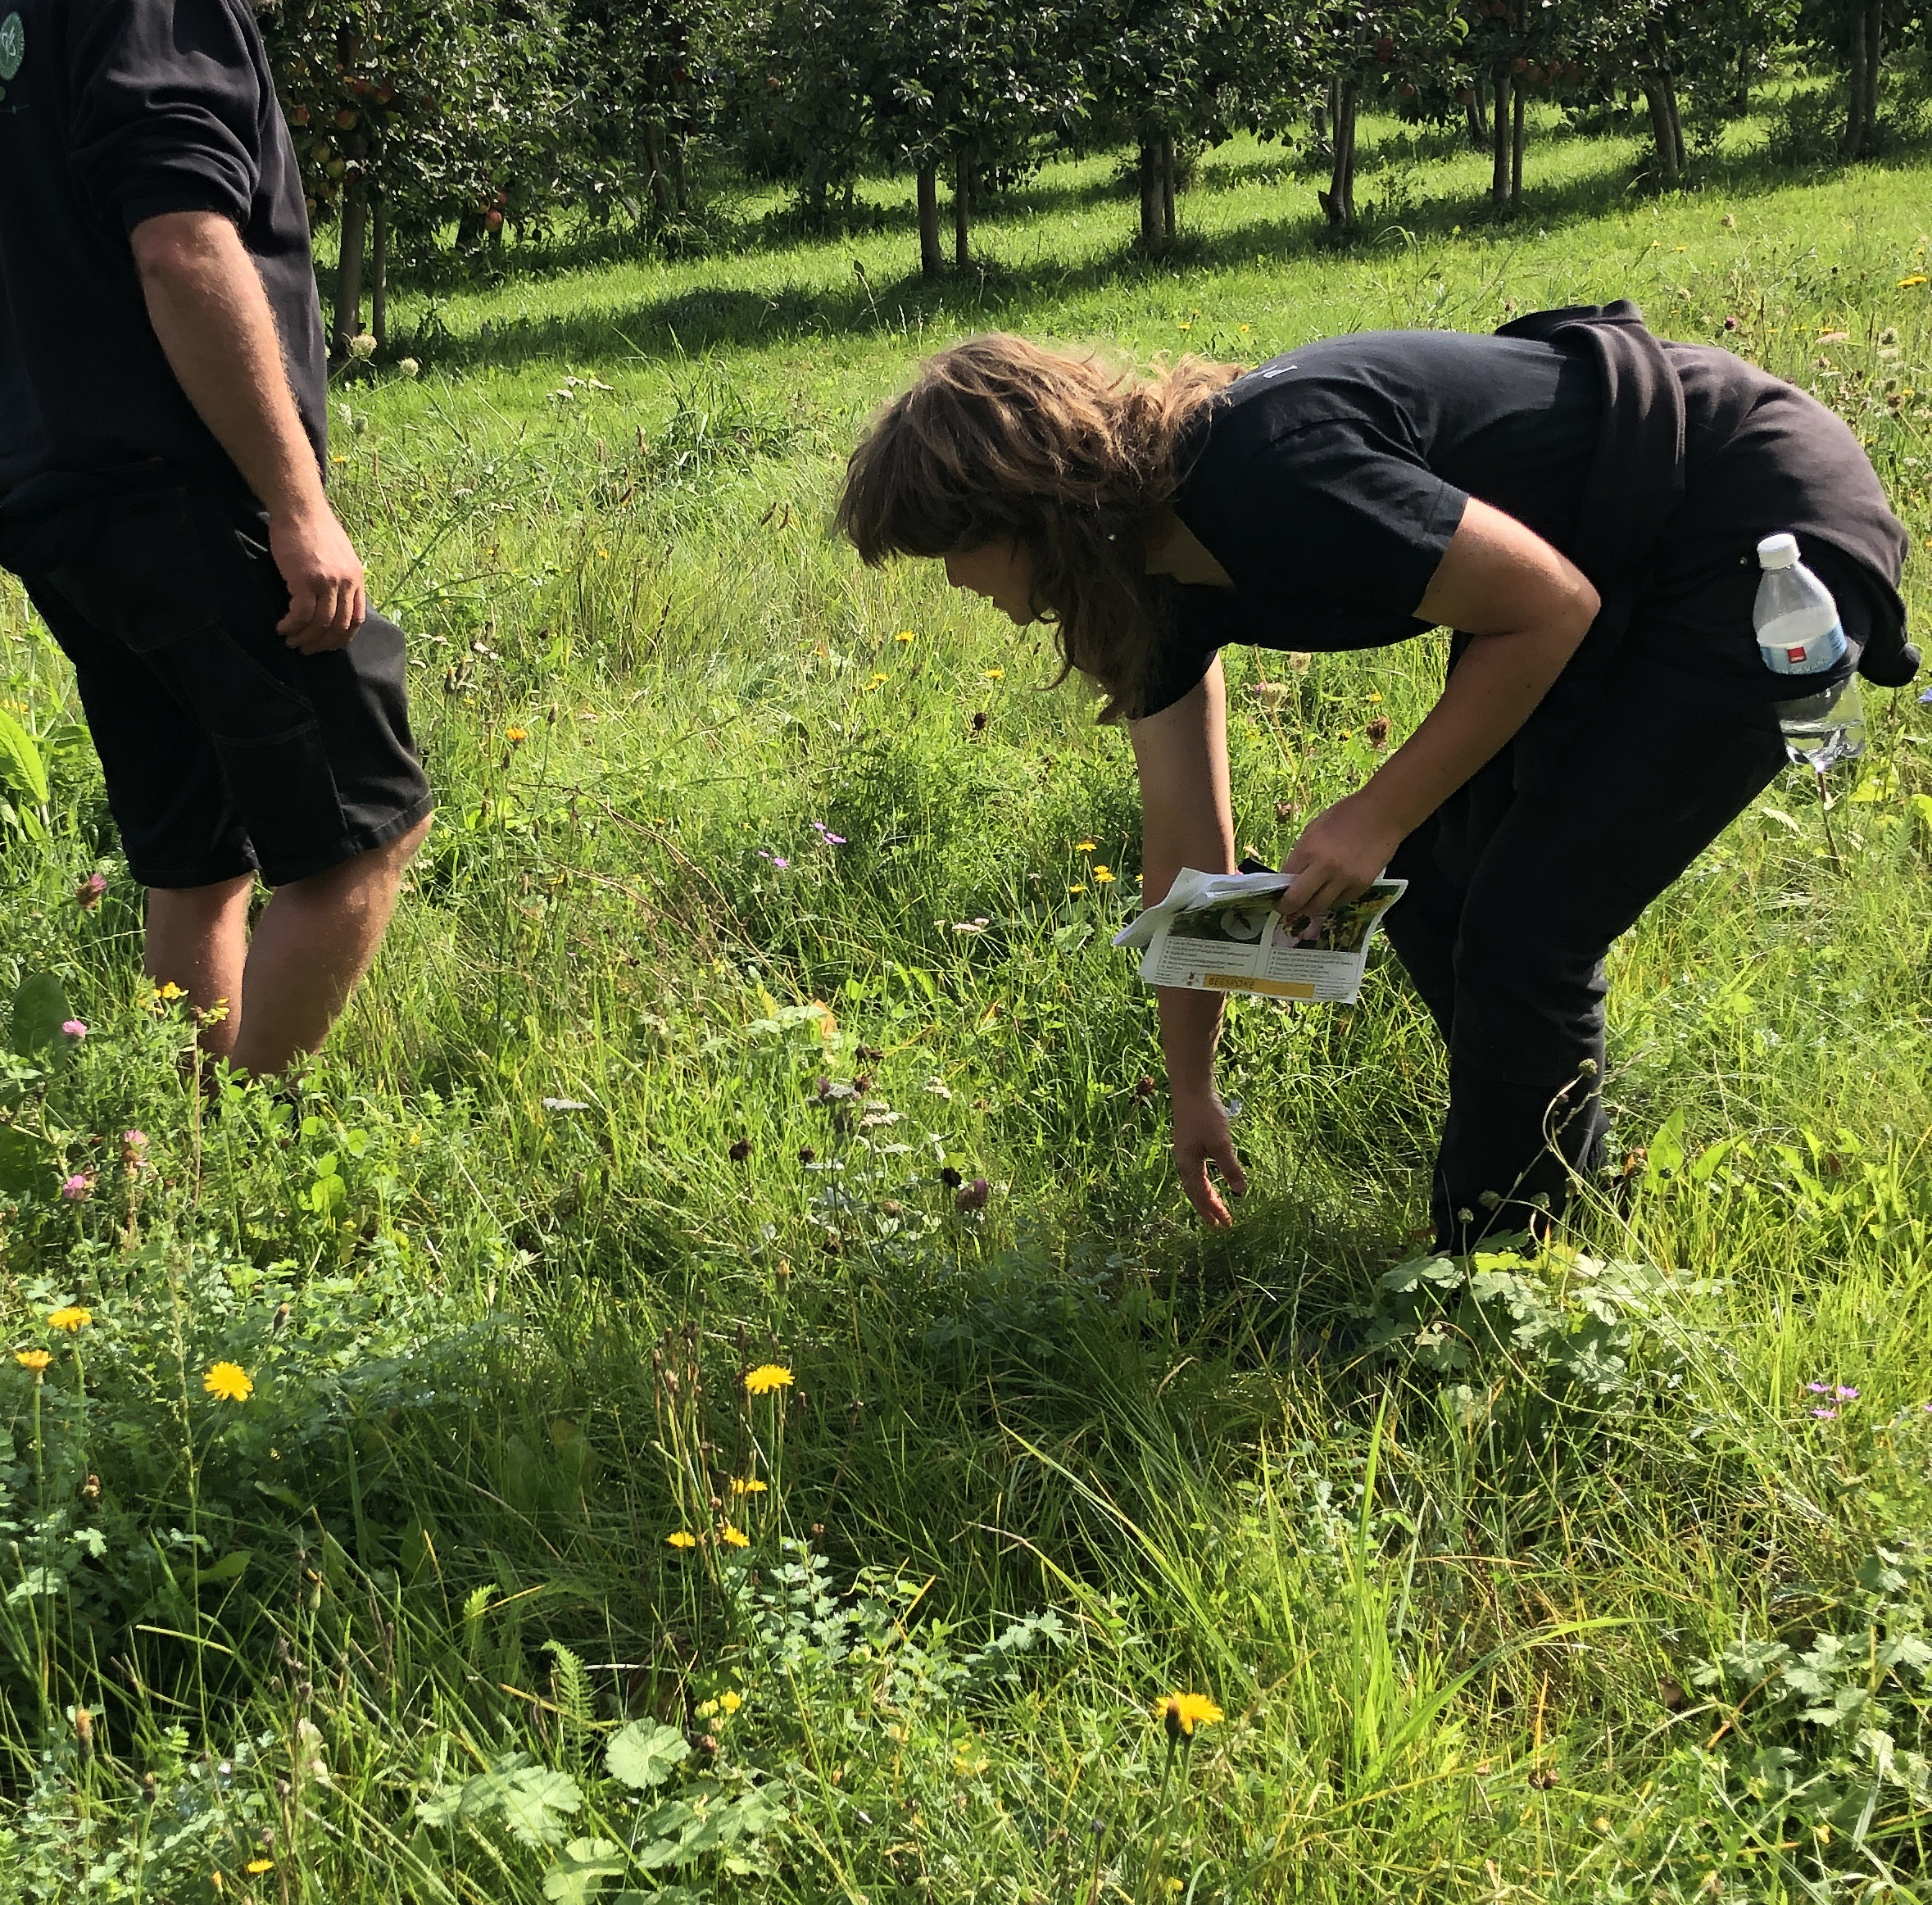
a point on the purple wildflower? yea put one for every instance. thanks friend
(1844, 1395)
(826, 835)
(1818, 1388)
(73, 1028)
(79, 1187)
(1825, 1415)
(778, 860)
(88, 892)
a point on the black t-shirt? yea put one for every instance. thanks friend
(112, 111)
(1328, 483)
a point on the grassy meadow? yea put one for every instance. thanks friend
(766, 915)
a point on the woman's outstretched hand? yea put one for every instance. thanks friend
(1201, 1134)
(1341, 853)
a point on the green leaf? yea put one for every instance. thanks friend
(230, 1567)
(40, 1011)
(26, 1162)
(21, 761)
(642, 1756)
(1667, 1148)
(588, 1862)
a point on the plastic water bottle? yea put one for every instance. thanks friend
(1799, 634)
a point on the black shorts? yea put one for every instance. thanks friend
(225, 752)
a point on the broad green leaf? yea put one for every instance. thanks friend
(642, 1754)
(19, 761)
(588, 1862)
(26, 1163)
(40, 1011)
(230, 1567)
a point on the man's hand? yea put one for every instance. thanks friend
(1201, 1134)
(326, 601)
(1342, 851)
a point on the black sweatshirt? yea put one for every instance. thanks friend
(112, 111)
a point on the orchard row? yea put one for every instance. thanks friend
(415, 119)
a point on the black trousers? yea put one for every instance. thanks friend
(1518, 884)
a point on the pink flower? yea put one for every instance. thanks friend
(79, 1188)
(1825, 1415)
(73, 1028)
(88, 894)
(134, 1148)
(971, 1197)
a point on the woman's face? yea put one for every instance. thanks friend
(1002, 571)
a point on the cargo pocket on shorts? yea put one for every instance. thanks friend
(285, 789)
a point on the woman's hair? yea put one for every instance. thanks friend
(999, 440)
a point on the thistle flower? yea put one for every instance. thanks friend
(87, 895)
(228, 1382)
(1180, 1713)
(971, 1197)
(766, 1378)
(72, 1318)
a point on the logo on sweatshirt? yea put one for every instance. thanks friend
(13, 45)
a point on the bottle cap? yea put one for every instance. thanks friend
(1778, 551)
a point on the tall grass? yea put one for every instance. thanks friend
(765, 915)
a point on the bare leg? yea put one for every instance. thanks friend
(312, 945)
(197, 938)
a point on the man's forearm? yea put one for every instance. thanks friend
(205, 302)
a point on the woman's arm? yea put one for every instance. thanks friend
(1527, 607)
(1187, 820)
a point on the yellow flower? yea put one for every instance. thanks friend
(228, 1382)
(1102, 877)
(516, 736)
(729, 1701)
(766, 1377)
(748, 1484)
(1907, 283)
(1243, 328)
(256, 1866)
(169, 989)
(733, 1537)
(1182, 325)
(876, 680)
(603, 554)
(995, 674)
(1071, 891)
(33, 1359)
(71, 1317)
(904, 635)
(682, 1538)
(1085, 846)
(1180, 1713)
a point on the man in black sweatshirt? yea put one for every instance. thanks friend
(163, 442)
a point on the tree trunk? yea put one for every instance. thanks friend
(931, 264)
(962, 210)
(1479, 118)
(680, 178)
(1853, 142)
(1338, 201)
(1516, 106)
(850, 189)
(1875, 53)
(1740, 98)
(1319, 118)
(1152, 229)
(1663, 140)
(348, 270)
(660, 184)
(1500, 139)
(1167, 187)
(1677, 150)
(379, 273)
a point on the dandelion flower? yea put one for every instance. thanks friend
(1103, 876)
(1071, 891)
(79, 1188)
(682, 1538)
(1085, 846)
(748, 1484)
(516, 736)
(256, 1866)
(33, 1359)
(904, 635)
(733, 1537)
(995, 675)
(228, 1382)
(766, 1378)
(71, 1316)
(1180, 1713)
(1917, 278)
